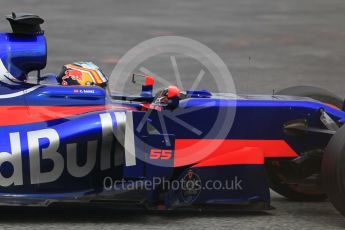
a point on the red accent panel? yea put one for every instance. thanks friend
(191, 151)
(247, 155)
(16, 115)
(146, 106)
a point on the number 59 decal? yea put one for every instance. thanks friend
(162, 154)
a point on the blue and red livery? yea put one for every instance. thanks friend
(63, 144)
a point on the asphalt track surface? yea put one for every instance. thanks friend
(289, 43)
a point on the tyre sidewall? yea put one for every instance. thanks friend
(333, 170)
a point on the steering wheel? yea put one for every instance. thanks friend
(161, 97)
(168, 97)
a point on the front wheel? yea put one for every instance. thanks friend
(281, 172)
(284, 179)
(333, 170)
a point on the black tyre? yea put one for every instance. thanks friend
(277, 170)
(315, 93)
(279, 173)
(333, 170)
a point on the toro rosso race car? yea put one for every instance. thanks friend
(66, 140)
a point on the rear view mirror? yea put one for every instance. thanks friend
(143, 80)
(146, 82)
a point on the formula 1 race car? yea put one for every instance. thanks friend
(66, 140)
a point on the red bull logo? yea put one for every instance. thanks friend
(74, 74)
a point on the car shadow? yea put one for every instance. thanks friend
(71, 214)
(315, 213)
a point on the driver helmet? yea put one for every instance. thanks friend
(82, 73)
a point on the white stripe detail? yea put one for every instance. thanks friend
(121, 127)
(20, 93)
(129, 141)
(107, 138)
(119, 133)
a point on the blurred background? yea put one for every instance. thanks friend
(266, 44)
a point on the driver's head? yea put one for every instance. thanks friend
(82, 73)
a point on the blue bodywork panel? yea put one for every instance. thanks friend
(22, 54)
